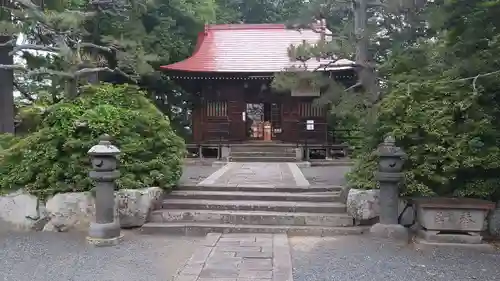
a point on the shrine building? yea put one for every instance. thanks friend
(229, 78)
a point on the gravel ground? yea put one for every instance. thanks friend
(44, 256)
(333, 175)
(362, 258)
(193, 174)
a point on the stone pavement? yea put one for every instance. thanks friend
(257, 174)
(240, 257)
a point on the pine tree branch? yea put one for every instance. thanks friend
(87, 71)
(332, 64)
(358, 84)
(121, 72)
(13, 67)
(23, 92)
(36, 72)
(95, 46)
(376, 3)
(50, 72)
(32, 47)
(331, 35)
(314, 28)
(11, 42)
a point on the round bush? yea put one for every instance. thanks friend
(54, 157)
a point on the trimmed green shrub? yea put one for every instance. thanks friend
(54, 157)
(7, 140)
(450, 138)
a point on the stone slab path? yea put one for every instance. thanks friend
(240, 257)
(257, 174)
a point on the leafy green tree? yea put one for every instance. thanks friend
(258, 11)
(442, 107)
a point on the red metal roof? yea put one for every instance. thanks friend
(249, 48)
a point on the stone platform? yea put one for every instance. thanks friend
(257, 174)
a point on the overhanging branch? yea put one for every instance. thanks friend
(332, 64)
(121, 72)
(87, 71)
(36, 72)
(9, 43)
(32, 47)
(23, 92)
(13, 67)
(377, 3)
(95, 46)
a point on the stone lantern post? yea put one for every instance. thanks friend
(105, 231)
(389, 176)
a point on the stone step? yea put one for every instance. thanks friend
(262, 159)
(250, 217)
(262, 148)
(245, 195)
(274, 206)
(262, 154)
(331, 163)
(199, 229)
(262, 188)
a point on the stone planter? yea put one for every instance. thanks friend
(452, 220)
(494, 222)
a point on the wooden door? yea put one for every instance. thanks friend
(290, 121)
(276, 120)
(236, 110)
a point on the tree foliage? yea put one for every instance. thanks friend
(61, 45)
(441, 105)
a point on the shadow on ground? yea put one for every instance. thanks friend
(193, 174)
(326, 175)
(363, 258)
(44, 256)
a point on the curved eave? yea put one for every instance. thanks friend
(185, 66)
(261, 48)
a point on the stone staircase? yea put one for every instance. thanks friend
(197, 210)
(262, 152)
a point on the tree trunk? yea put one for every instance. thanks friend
(6, 89)
(71, 89)
(366, 73)
(94, 77)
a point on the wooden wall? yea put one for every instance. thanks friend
(218, 113)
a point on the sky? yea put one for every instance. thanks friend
(19, 60)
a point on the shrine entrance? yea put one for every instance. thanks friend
(259, 114)
(255, 121)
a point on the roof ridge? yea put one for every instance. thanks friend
(239, 26)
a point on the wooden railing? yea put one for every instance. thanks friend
(218, 132)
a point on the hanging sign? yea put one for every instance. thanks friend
(310, 125)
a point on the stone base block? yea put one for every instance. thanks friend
(391, 231)
(436, 237)
(219, 164)
(422, 244)
(104, 242)
(303, 164)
